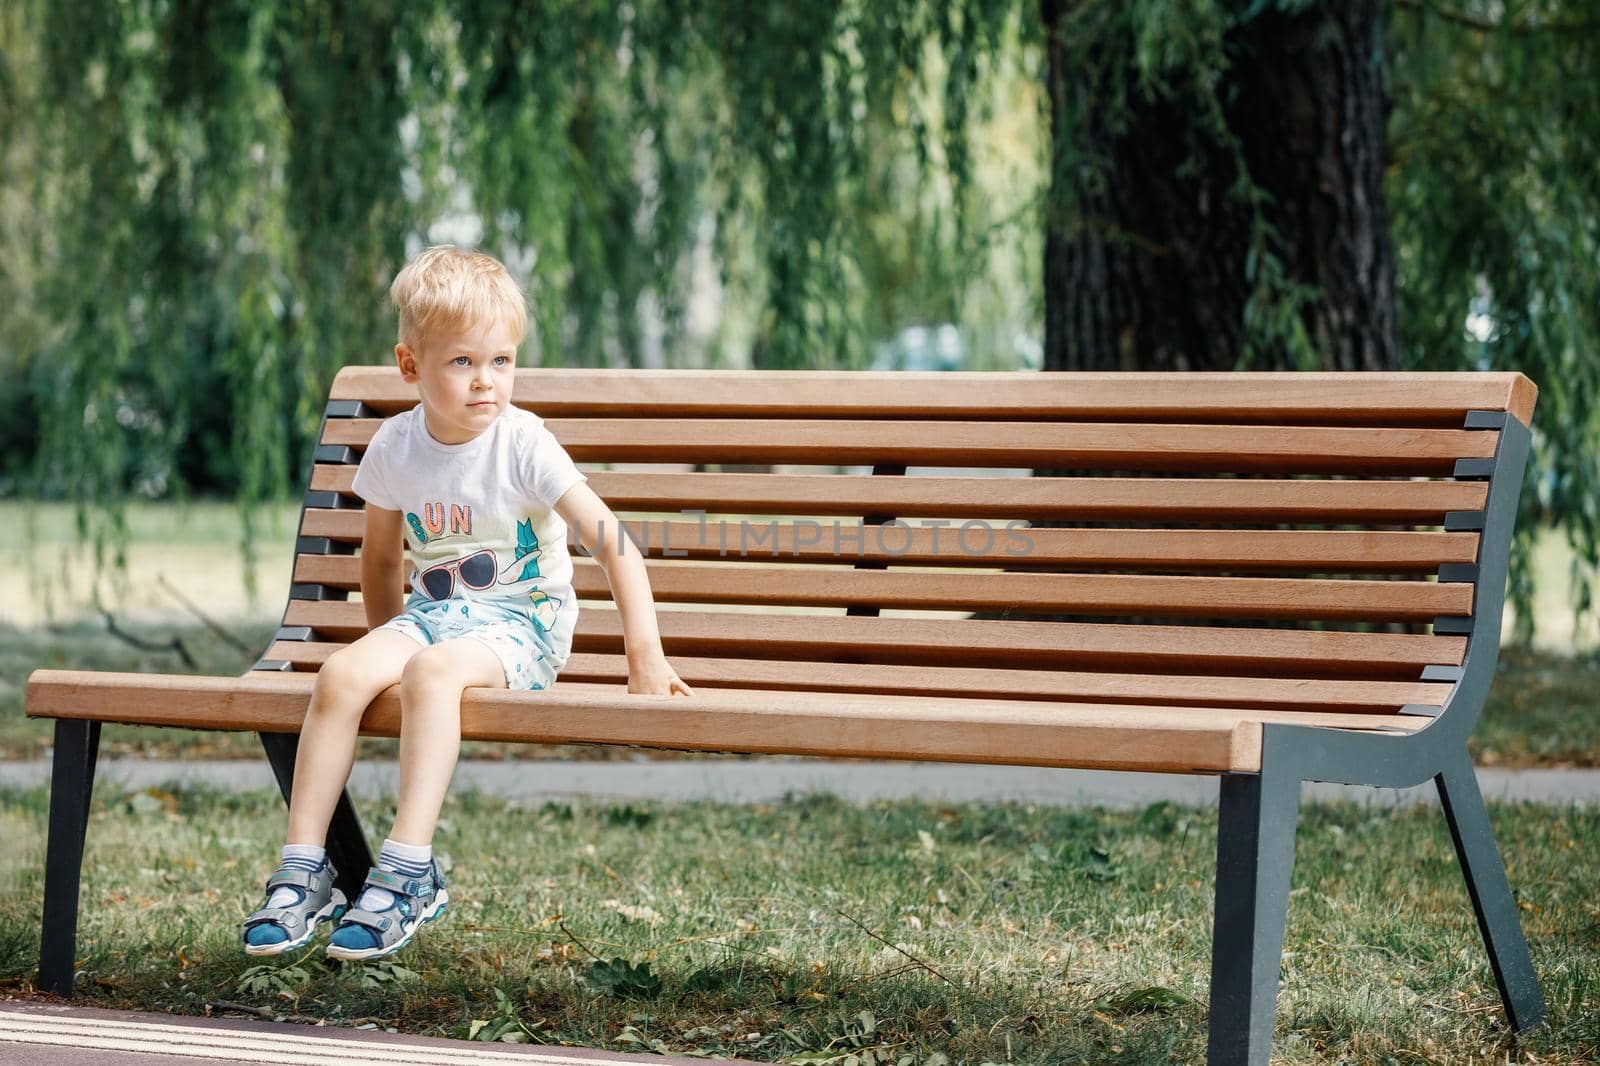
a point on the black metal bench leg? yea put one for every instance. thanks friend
(346, 843)
(71, 787)
(1255, 856)
(1491, 894)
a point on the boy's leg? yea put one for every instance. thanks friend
(430, 731)
(350, 680)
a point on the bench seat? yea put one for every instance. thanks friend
(1185, 690)
(1183, 739)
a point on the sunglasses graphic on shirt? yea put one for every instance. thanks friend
(477, 571)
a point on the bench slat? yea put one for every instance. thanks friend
(770, 584)
(1421, 398)
(1178, 690)
(1037, 498)
(1167, 649)
(1352, 551)
(1112, 594)
(1126, 737)
(1029, 498)
(1043, 498)
(1051, 445)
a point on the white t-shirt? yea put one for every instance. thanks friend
(488, 501)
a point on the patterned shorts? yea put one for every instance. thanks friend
(523, 649)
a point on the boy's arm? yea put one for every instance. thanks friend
(382, 583)
(601, 535)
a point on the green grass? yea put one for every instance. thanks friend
(198, 522)
(1542, 711)
(983, 933)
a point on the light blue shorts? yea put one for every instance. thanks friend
(522, 648)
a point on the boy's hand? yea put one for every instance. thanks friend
(654, 677)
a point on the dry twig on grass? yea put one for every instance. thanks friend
(174, 645)
(205, 619)
(895, 947)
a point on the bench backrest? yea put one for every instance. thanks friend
(1176, 539)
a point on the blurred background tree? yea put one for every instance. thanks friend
(205, 200)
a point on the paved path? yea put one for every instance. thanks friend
(52, 1034)
(768, 780)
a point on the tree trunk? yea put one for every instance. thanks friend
(1146, 261)
(1145, 268)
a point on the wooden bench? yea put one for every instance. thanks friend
(1272, 578)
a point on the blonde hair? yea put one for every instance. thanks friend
(445, 287)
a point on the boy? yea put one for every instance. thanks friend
(483, 493)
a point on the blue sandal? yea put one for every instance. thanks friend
(274, 930)
(364, 934)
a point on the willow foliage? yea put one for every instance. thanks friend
(1494, 198)
(221, 191)
(206, 198)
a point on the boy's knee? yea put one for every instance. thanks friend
(429, 670)
(348, 674)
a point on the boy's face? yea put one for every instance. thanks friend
(464, 378)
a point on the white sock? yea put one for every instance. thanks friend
(297, 857)
(407, 860)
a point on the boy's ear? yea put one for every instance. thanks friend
(406, 359)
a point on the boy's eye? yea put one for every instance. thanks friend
(461, 359)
